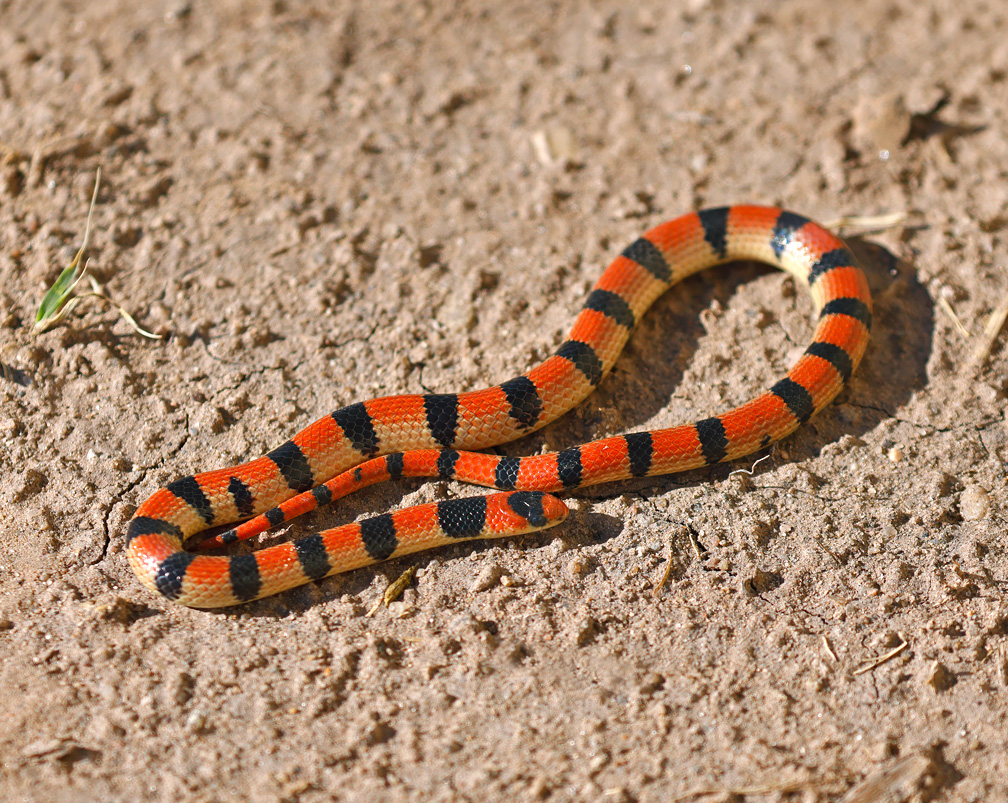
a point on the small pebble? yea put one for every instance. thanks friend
(554, 145)
(974, 502)
(487, 578)
(577, 567)
(941, 678)
(586, 631)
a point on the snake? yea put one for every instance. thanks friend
(441, 435)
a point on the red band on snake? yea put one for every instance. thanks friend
(436, 435)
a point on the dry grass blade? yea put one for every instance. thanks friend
(883, 658)
(58, 302)
(992, 329)
(864, 224)
(51, 309)
(946, 307)
(659, 584)
(893, 784)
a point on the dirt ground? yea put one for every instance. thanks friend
(319, 203)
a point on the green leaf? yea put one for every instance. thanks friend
(57, 294)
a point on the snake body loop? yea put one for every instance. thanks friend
(436, 435)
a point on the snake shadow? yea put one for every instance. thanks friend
(652, 367)
(893, 369)
(590, 528)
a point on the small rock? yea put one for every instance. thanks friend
(207, 418)
(650, 683)
(974, 502)
(197, 723)
(586, 631)
(487, 578)
(379, 733)
(761, 582)
(101, 729)
(540, 788)
(880, 124)
(182, 687)
(942, 485)
(554, 145)
(598, 763)
(118, 610)
(578, 567)
(941, 678)
(31, 484)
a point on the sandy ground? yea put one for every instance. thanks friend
(318, 204)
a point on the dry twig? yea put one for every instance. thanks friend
(883, 658)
